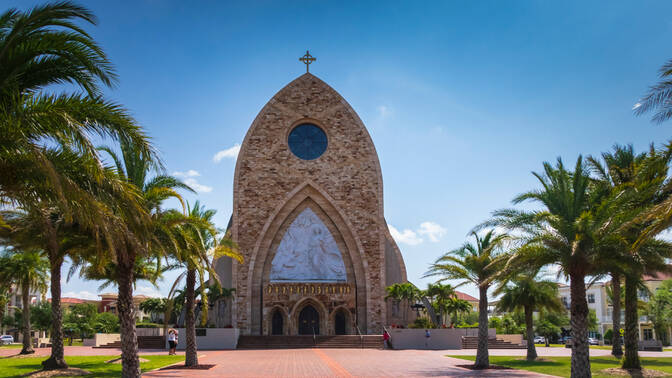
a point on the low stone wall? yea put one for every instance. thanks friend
(149, 331)
(214, 339)
(102, 339)
(447, 338)
(514, 339)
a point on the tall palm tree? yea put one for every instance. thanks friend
(43, 133)
(528, 292)
(565, 231)
(477, 264)
(617, 172)
(29, 270)
(638, 184)
(198, 246)
(146, 235)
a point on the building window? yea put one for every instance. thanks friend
(591, 298)
(648, 334)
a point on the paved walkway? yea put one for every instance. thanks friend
(334, 363)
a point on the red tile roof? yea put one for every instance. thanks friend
(465, 296)
(70, 300)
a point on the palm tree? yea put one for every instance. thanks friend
(565, 231)
(401, 292)
(618, 171)
(29, 270)
(146, 236)
(440, 296)
(476, 264)
(198, 246)
(637, 184)
(455, 307)
(527, 292)
(44, 133)
(659, 97)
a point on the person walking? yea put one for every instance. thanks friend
(386, 339)
(172, 341)
(427, 336)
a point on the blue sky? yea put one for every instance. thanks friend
(462, 99)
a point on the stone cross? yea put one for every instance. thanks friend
(307, 59)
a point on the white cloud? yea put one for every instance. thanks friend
(80, 294)
(231, 152)
(432, 230)
(406, 236)
(189, 173)
(384, 111)
(147, 290)
(196, 186)
(188, 178)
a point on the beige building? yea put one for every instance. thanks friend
(308, 218)
(596, 295)
(108, 303)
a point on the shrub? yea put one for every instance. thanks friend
(421, 323)
(147, 325)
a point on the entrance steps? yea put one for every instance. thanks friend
(471, 342)
(291, 342)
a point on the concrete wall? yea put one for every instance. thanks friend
(102, 339)
(515, 339)
(149, 331)
(450, 338)
(215, 338)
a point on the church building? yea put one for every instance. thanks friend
(308, 219)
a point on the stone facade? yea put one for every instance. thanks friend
(343, 187)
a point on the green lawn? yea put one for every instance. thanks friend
(560, 365)
(13, 367)
(605, 347)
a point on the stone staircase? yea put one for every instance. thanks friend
(471, 342)
(290, 342)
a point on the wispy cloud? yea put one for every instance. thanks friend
(189, 173)
(188, 178)
(384, 111)
(406, 236)
(148, 291)
(80, 294)
(231, 152)
(431, 230)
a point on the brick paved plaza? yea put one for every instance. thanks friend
(332, 363)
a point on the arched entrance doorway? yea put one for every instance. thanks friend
(309, 321)
(276, 323)
(340, 323)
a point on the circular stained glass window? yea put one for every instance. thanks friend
(307, 141)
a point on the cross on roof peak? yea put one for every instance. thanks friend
(307, 59)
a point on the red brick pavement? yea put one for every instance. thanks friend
(333, 363)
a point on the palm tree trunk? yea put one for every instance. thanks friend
(191, 356)
(482, 358)
(129, 341)
(579, 322)
(529, 324)
(56, 360)
(27, 340)
(616, 349)
(631, 360)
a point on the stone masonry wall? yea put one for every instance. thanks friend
(348, 172)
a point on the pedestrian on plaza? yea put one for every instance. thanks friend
(427, 336)
(386, 339)
(172, 341)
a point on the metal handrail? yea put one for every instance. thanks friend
(361, 338)
(314, 338)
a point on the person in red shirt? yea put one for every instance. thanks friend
(386, 339)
